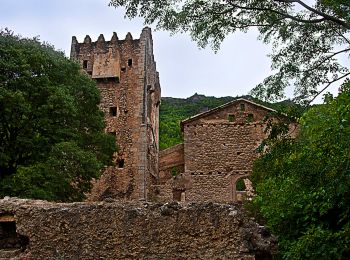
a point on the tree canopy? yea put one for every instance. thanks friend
(51, 130)
(306, 36)
(303, 184)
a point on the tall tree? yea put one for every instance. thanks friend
(51, 130)
(303, 184)
(306, 36)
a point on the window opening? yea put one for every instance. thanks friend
(121, 163)
(242, 106)
(123, 69)
(231, 118)
(250, 118)
(129, 62)
(113, 111)
(85, 64)
(240, 185)
(112, 133)
(9, 238)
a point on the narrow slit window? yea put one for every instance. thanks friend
(129, 62)
(121, 163)
(113, 111)
(85, 64)
(231, 118)
(242, 106)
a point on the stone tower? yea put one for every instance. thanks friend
(125, 73)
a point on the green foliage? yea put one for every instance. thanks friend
(240, 185)
(174, 110)
(174, 171)
(51, 131)
(306, 37)
(303, 185)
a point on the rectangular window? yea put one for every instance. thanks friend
(242, 106)
(250, 118)
(129, 62)
(121, 163)
(85, 64)
(113, 111)
(231, 118)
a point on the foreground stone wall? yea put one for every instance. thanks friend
(108, 230)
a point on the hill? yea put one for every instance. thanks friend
(174, 110)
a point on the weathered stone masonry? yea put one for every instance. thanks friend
(125, 72)
(219, 148)
(110, 230)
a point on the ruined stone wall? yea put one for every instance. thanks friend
(125, 72)
(171, 163)
(220, 148)
(108, 230)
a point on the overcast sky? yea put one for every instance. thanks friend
(184, 69)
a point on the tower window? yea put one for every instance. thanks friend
(242, 106)
(85, 64)
(129, 62)
(113, 111)
(121, 163)
(231, 118)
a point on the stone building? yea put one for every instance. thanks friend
(216, 158)
(125, 72)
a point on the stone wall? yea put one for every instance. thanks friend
(220, 147)
(171, 163)
(125, 72)
(109, 230)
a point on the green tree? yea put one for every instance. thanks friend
(306, 38)
(51, 130)
(303, 184)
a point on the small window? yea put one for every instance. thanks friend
(250, 118)
(9, 238)
(242, 106)
(240, 185)
(113, 111)
(231, 118)
(113, 133)
(121, 163)
(85, 64)
(129, 62)
(123, 69)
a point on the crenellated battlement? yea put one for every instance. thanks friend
(78, 47)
